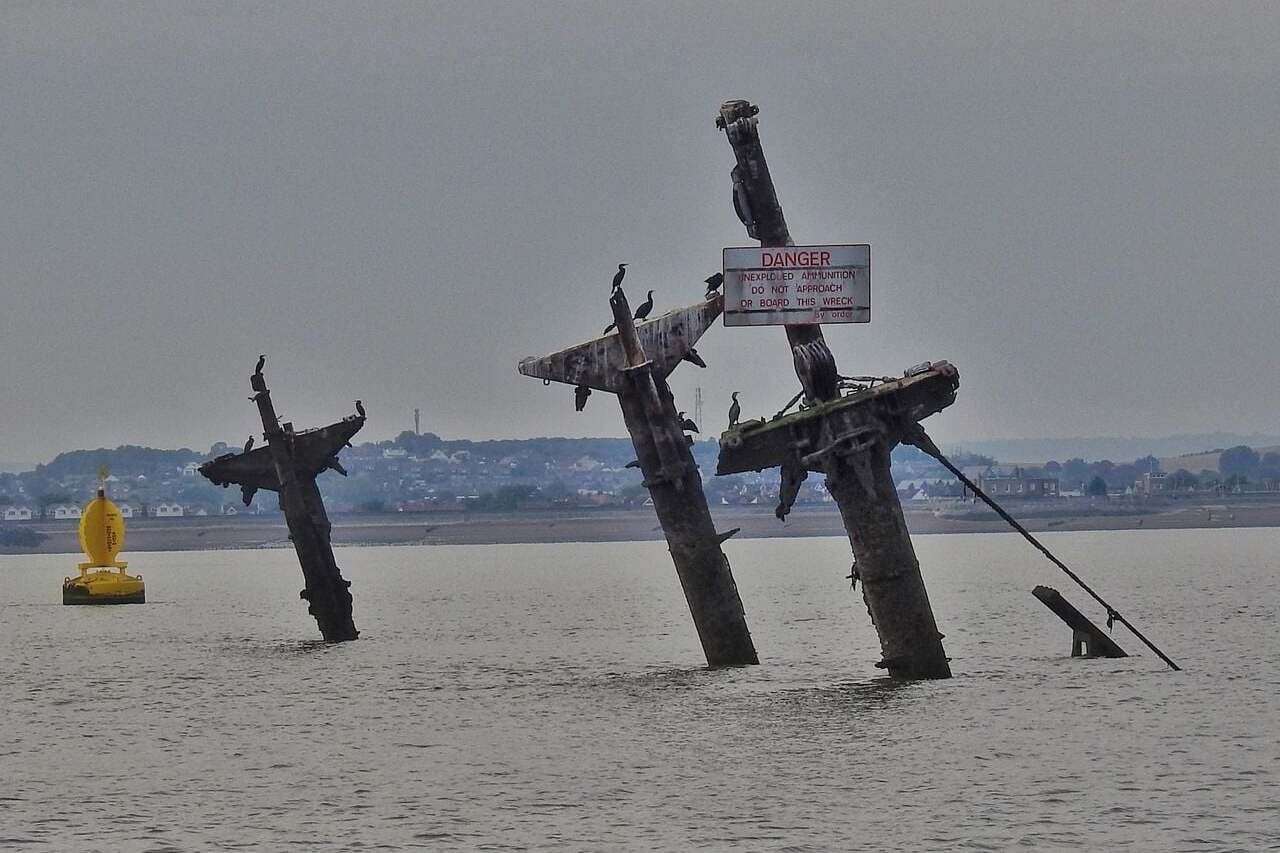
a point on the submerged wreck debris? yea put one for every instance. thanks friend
(289, 465)
(846, 428)
(1087, 639)
(634, 364)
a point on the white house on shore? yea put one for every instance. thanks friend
(62, 511)
(166, 510)
(17, 513)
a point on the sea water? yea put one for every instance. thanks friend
(554, 697)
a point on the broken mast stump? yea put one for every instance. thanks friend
(1087, 639)
(289, 465)
(634, 363)
(855, 459)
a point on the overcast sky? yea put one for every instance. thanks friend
(1077, 204)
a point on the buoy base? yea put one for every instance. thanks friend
(104, 587)
(80, 597)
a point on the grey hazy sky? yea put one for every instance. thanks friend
(1075, 203)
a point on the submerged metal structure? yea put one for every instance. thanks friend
(847, 437)
(633, 362)
(289, 465)
(1087, 639)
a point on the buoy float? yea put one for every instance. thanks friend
(102, 579)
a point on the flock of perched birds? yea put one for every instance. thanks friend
(713, 282)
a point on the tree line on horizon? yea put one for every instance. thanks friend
(1238, 466)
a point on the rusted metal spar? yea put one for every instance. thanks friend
(856, 462)
(634, 363)
(1087, 639)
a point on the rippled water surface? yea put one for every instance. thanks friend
(552, 697)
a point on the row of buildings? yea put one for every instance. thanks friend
(1018, 483)
(67, 511)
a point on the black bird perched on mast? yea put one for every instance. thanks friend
(262, 361)
(735, 410)
(645, 308)
(713, 283)
(248, 445)
(360, 408)
(687, 425)
(617, 277)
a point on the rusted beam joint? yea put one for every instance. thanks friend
(637, 373)
(857, 440)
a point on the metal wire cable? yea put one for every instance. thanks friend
(918, 437)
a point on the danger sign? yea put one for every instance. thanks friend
(788, 285)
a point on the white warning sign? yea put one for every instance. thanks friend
(787, 285)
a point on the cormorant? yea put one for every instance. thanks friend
(686, 424)
(645, 308)
(617, 277)
(713, 283)
(262, 361)
(693, 358)
(580, 395)
(248, 445)
(360, 408)
(735, 411)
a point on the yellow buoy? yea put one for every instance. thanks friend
(102, 538)
(102, 532)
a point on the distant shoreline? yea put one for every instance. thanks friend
(616, 525)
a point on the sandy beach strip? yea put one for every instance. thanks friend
(615, 525)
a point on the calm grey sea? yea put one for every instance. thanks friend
(552, 697)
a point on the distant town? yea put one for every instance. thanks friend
(424, 473)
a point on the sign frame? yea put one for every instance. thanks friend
(766, 285)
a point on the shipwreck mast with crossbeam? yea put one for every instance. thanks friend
(289, 465)
(634, 363)
(846, 438)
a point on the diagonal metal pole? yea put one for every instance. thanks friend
(920, 439)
